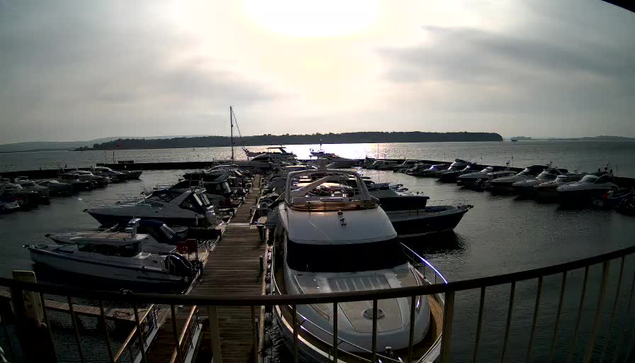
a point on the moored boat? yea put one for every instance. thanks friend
(323, 244)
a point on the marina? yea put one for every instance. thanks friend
(236, 266)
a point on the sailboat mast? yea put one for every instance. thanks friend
(231, 128)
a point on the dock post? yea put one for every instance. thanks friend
(36, 340)
(214, 332)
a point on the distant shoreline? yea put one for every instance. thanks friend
(343, 138)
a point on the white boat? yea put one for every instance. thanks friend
(470, 179)
(548, 191)
(589, 187)
(159, 237)
(504, 184)
(115, 176)
(406, 165)
(526, 187)
(117, 258)
(346, 243)
(432, 171)
(189, 208)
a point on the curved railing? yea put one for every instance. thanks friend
(449, 290)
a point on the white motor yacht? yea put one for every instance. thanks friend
(189, 208)
(589, 187)
(526, 187)
(116, 257)
(548, 191)
(469, 179)
(432, 171)
(345, 242)
(504, 184)
(159, 237)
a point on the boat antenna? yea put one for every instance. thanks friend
(231, 130)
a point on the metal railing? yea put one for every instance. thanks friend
(619, 320)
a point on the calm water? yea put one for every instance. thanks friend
(574, 155)
(501, 234)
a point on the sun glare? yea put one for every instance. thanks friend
(310, 18)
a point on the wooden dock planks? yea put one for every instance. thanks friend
(233, 268)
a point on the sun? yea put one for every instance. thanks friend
(313, 18)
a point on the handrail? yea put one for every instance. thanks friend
(270, 300)
(186, 328)
(131, 336)
(426, 262)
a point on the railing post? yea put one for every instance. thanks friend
(374, 337)
(295, 333)
(214, 332)
(479, 324)
(615, 302)
(512, 293)
(254, 332)
(535, 321)
(102, 316)
(598, 311)
(175, 332)
(142, 340)
(448, 316)
(335, 322)
(557, 324)
(577, 324)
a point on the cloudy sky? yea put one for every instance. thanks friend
(78, 70)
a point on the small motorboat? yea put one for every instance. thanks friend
(159, 238)
(118, 257)
(131, 174)
(411, 217)
(504, 184)
(584, 191)
(11, 192)
(189, 208)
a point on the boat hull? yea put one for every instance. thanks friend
(103, 270)
(409, 224)
(109, 220)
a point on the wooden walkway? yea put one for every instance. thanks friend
(233, 268)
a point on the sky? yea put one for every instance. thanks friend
(81, 70)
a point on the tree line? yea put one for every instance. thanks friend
(268, 139)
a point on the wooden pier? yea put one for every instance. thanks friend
(233, 268)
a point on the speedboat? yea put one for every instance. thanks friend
(417, 168)
(115, 176)
(411, 217)
(117, 257)
(589, 187)
(74, 181)
(41, 192)
(131, 174)
(469, 179)
(189, 208)
(11, 192)
(432, 171)
(526, 187)
(56, 188)
(98, 181)
(504, 184)
(159, 237)
(7, 205)
(547, 191)
(407, 164)
(344, 243)
(451, 175)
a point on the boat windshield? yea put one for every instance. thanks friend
(546, 175)
(129, 250)
(589, 179)
(163, 196)
(345, 257)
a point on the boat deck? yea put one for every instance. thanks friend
(232, 268)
